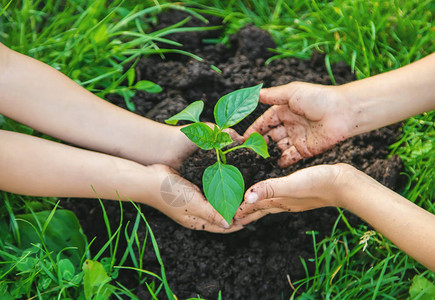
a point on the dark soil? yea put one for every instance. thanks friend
(252, 263)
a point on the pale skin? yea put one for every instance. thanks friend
(132, 156)
(307, 119)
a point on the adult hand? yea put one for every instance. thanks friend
(305, 119)
(305, 189)
(183, 202)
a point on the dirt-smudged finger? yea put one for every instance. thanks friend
(289, 157)
(256, 215)
(276, 134)
(284, 144)
(205, 225)
(269, 119)
(278, 95)
(246, 208)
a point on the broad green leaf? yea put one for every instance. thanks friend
(257, 143)
(223, 187)
(61, 232)
(190, 113)
(422, 288)
(148, 86)
(235, 106)
(200, 134)
(95, 276)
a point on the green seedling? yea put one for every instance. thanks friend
(223, 184)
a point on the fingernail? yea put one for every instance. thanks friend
(225, 224)
(252, 198)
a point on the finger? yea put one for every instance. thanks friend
(278, 95)
(234, 135)
(289, 157)
(274, 188)
(284, 144)
(197, 223)
(276, 134)
(256, 215)
(268, 120)
(247, 208)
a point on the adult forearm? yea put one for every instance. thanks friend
(408, 226)
(41, 97)
(391, 97)
(34, 166)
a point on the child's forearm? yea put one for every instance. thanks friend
(391, 97)
(45, 99)
(34, 166)
(407, 225)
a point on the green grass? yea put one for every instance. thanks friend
(97, 44)
(371, 37)
(42, 257)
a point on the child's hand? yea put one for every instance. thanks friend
(306, 189)
(183, 202)
(305, 120)
(181, 147)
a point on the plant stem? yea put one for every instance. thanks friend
(234, 148)
(217, 155)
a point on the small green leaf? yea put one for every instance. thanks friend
(190, 113)
(221, 140)
(43, 283)
(148, 86)
(222, 156)
(257, 143)
(224, 188)
(66, 269)
(127, 95)
(422, 288)
(95, 276)
(235, 106)
(130, 76)
(200, 134)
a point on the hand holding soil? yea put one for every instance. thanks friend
(306, 189)
(305, 119)
(131, 158)
(342, 185)
(183, 202)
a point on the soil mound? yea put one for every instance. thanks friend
(251, 264)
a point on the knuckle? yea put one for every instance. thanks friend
(270, 192)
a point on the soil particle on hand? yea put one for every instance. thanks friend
(252, 263)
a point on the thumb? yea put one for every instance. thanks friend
(267, 189)
(278, 95)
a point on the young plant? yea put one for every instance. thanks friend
(222, 183)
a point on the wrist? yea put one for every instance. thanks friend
(358, 109)
(345, 184)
